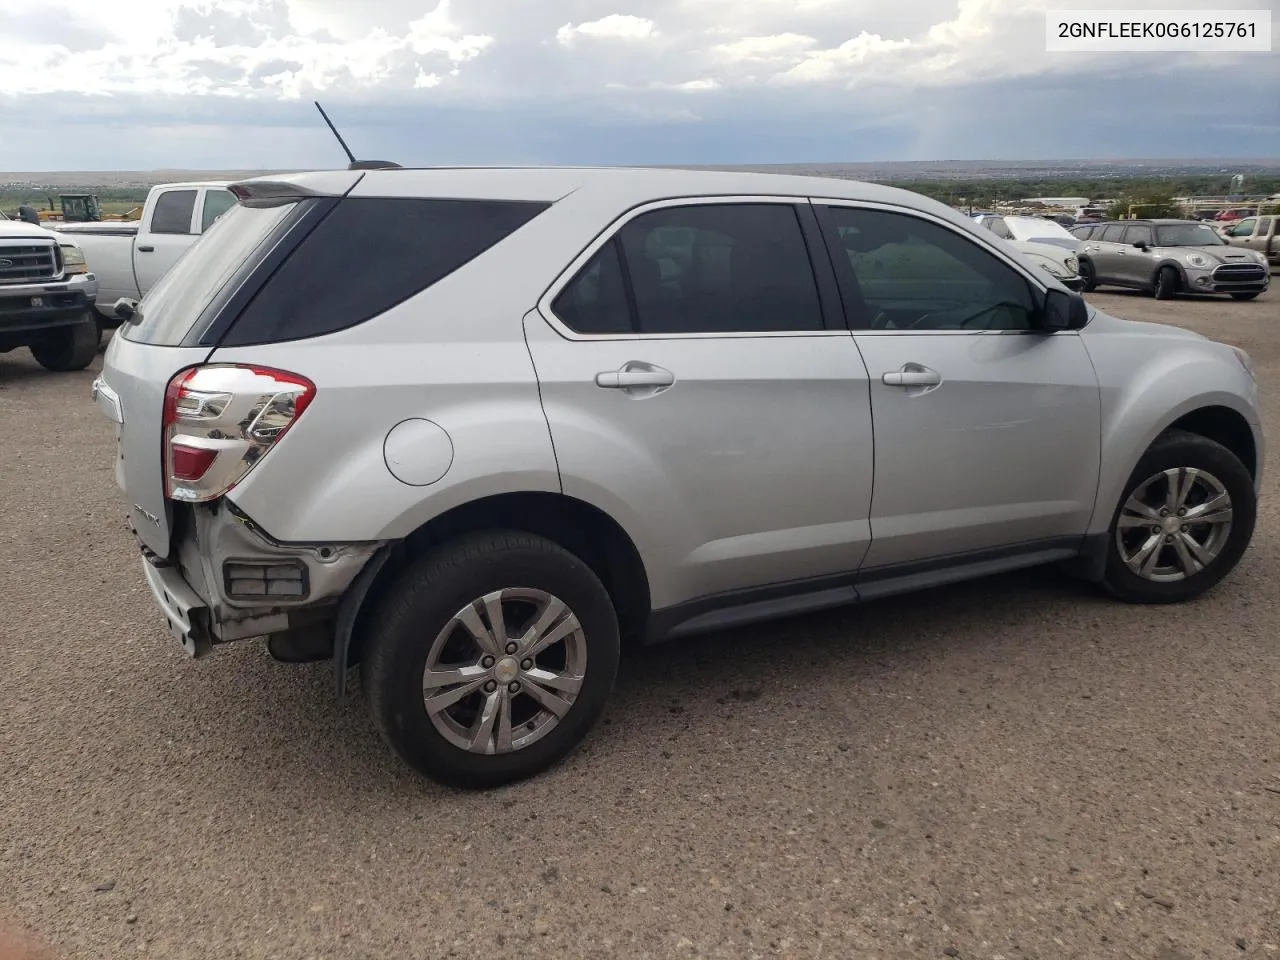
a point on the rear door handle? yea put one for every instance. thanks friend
(147, 249)
(912, 375)
(635, 373)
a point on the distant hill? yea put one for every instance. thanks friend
(885, 171)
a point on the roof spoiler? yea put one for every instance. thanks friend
(271, 193)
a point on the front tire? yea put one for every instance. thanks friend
(1245, 296)
(1089, 276)
(490, 658)
(1184, 520)
(1166, 283)
(69, 348)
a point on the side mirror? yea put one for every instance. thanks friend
(125, 309)
(1063, 310)
(1140, 244)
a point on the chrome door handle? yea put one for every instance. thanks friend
(912, 375)
(635, 373)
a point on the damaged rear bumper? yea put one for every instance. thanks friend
(226, 579)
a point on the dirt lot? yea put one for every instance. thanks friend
(1009, 769)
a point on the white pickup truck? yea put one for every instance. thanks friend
(128, 258)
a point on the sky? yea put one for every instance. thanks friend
(194, 84)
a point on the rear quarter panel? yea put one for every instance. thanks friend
(1150, 377)
(454, 354)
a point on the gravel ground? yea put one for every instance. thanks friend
(1007, 769)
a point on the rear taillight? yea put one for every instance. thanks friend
(221, 419)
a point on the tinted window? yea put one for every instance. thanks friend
(1111, 233)
(173, 305)
(1082, 233)
(1138, 234)
(595, 301)
(720, 268)
(216, 203)
(1243, 229)
(173, 212)
(899, 272)
(368, 255)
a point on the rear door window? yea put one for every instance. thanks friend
(216, 203)
(698, 268)
(368, 255)
(173, 211)
(1111, 233)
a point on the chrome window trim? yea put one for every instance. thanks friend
(566, 276)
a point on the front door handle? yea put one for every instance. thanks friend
(912, 375)
(635, 373)
(146, 249)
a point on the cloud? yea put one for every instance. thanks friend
(494, 80)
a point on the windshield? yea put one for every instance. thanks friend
(1037, 230)
(1188, 235)
(173, 305)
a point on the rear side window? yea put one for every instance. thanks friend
(216, 203)
(698, 269)
(173, 211)
(1111, 233)
(368, 255)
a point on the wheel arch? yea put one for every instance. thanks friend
(579, 527)
(1183, 285)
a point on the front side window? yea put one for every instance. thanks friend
(1138, 234)
(173, 212)
(698, 269)
(1243, 229)
(902, 272)
(1001, 229)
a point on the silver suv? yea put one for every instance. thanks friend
(473, 429)
(1167, 257)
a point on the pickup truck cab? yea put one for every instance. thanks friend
(1256, 233)
(128, 258)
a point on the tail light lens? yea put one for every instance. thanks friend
(220, 420)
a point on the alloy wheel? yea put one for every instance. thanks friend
(1174, 524)
(504, 671)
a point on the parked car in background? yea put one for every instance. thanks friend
(1062, 265)
(130, 257)
(536, 411)
(46, 297)
(1256, 233)
(1167, 257)
(1234, 214)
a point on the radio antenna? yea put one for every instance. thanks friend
(355, 164)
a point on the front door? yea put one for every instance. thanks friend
(699, 390)
(1137, 265)
(987, 431)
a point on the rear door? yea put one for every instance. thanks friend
(168, 230)
(1103, 249)
(700, 388)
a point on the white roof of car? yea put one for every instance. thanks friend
(626, 185)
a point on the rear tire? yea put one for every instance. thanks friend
(1166, 283)
(69, 348)
(1141, 536)
(431, 639)
(1245, 296)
